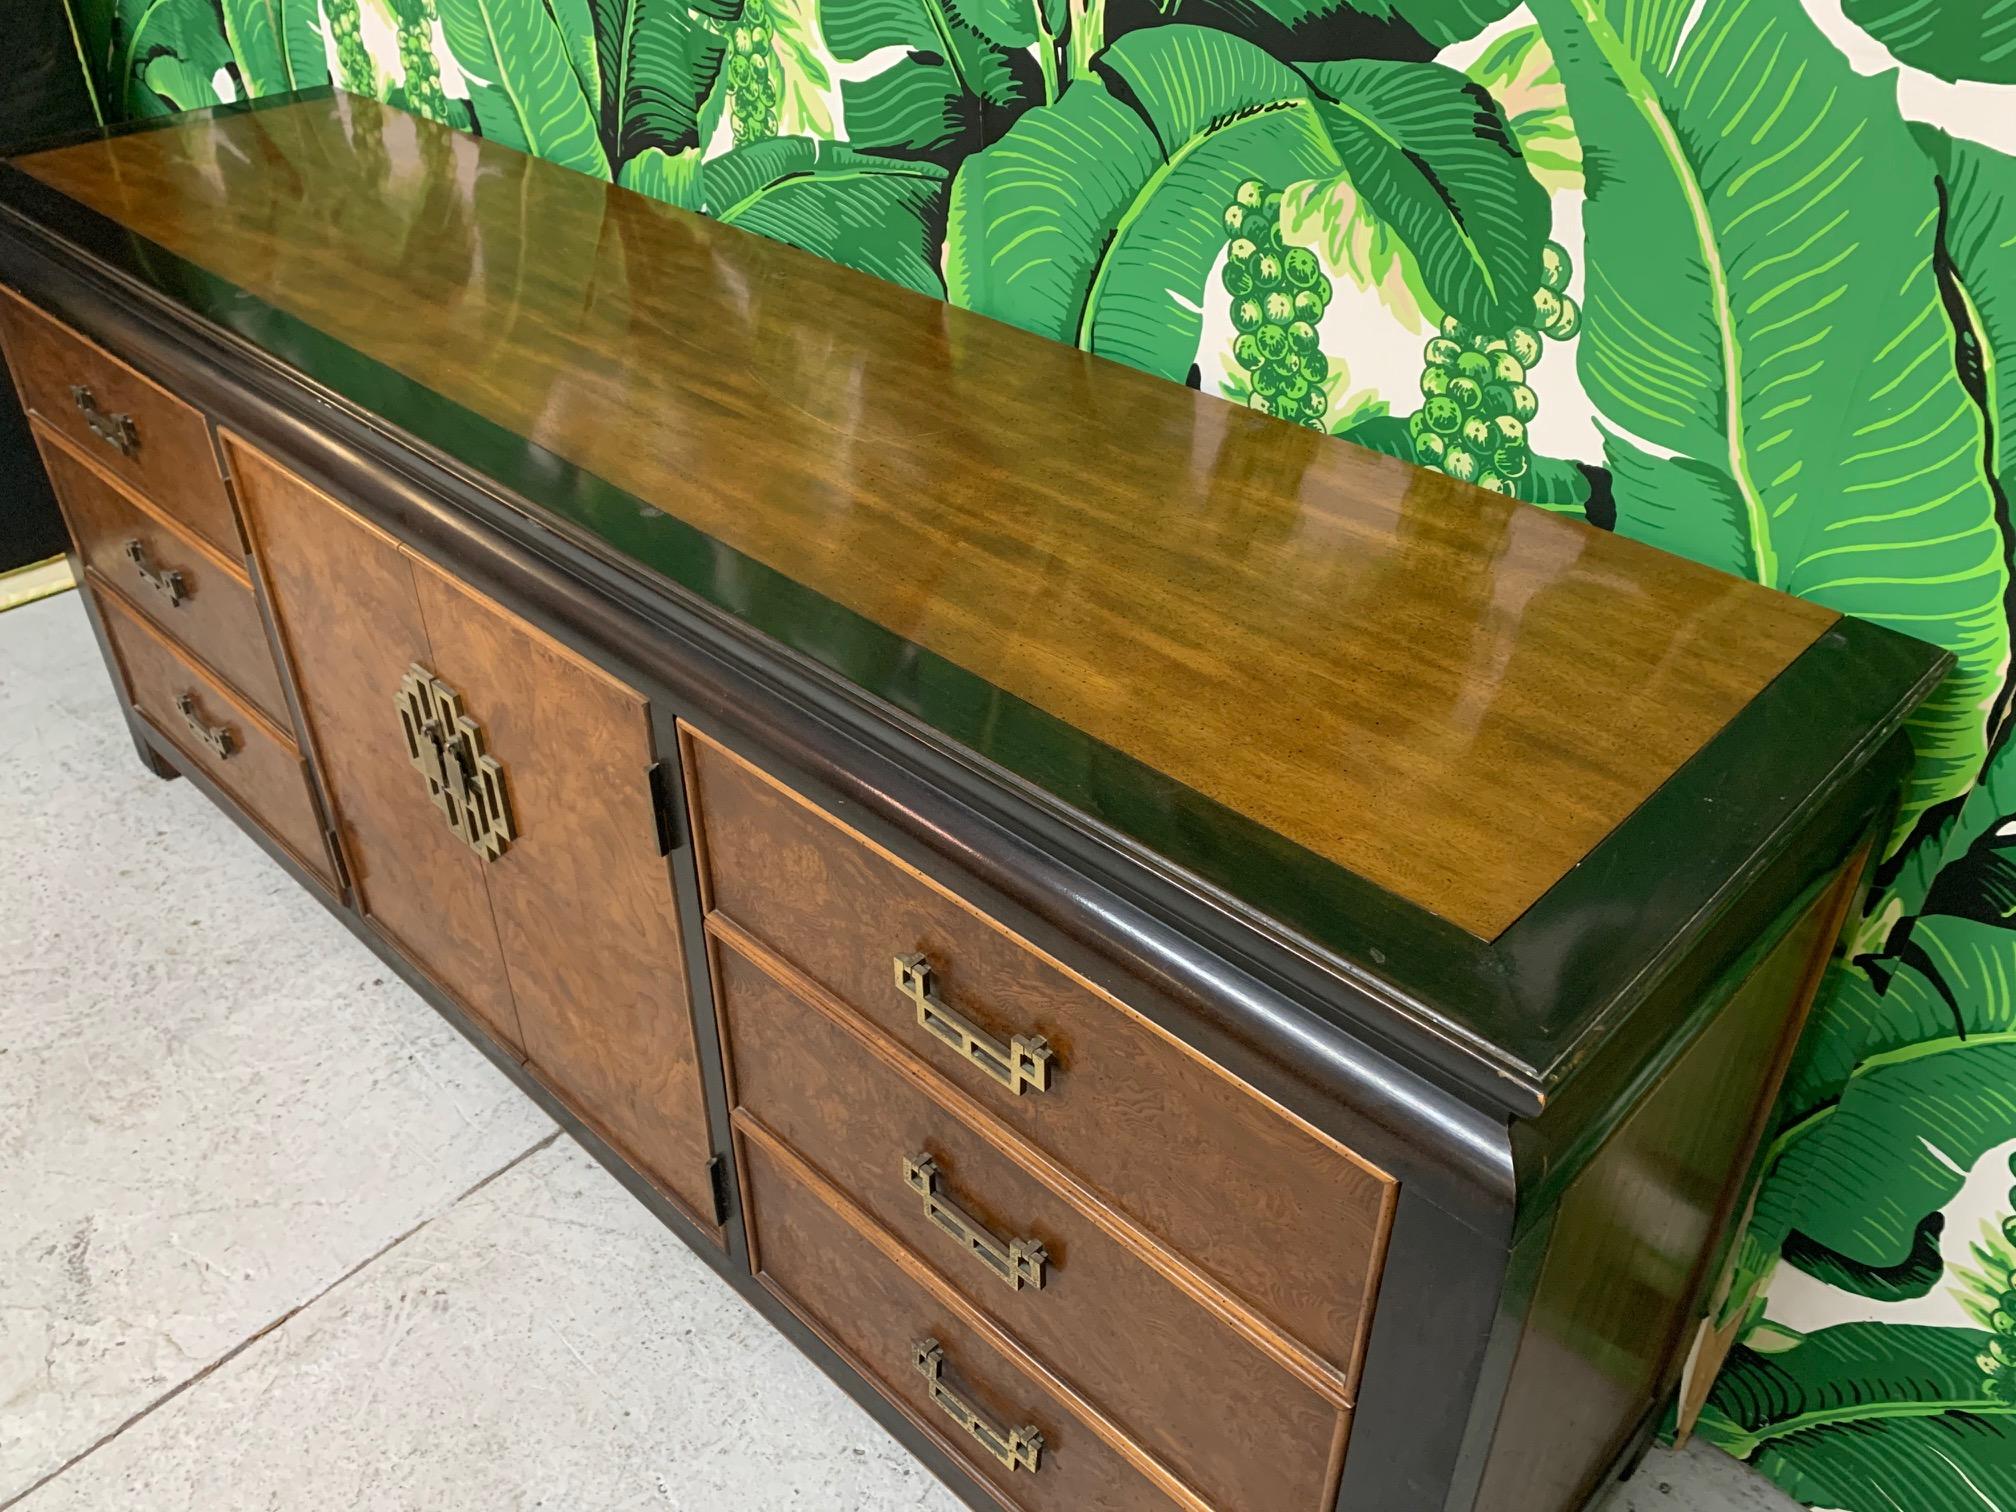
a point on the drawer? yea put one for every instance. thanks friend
(1229, 1420)
(133, 427)
(259, 766)
(1286, 1220)
(183, 587)
(865, 1304)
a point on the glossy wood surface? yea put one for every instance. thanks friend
(582, 899)
(263, 770)
(173, 464)
(349, 616)
(1288, 1222)
(1234, 1424)
(1449, 694)
(870, 1306)
(215, 617)
(1620, 1291)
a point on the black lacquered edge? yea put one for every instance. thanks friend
(1509, 1018)
(140, 125)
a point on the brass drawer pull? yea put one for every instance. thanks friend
(1022, 1063)
(1018, 1262)
(217, 737)
(116, 431)
(169, 584)
(446, 747)
(1016, 1448)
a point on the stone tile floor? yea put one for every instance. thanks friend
(272, 1236)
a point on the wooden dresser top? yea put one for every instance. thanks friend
(1453, 696)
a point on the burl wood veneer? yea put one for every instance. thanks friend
(1188, 965)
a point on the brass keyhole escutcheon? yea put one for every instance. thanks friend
(464, 782)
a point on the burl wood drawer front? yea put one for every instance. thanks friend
(136, 429)
(185, 587)
(981, 1407)
(239, 747)
(1290, 1223)
(1231, 1422)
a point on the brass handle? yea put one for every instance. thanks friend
(1022, 1063)
(169, 584)
(217, 737)
(1016, 1448)
(446, 746)
(1017, 1262)
(116, 431)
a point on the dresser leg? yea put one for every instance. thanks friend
(153, 760)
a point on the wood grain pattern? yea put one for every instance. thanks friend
(1445, 692)
(1284, 1219)
(869, 1309)
(583, 901)
(343, 597)
(1233, 1423)
(263, 771)
(173, 465)
(216, 620)
(1619, 1290)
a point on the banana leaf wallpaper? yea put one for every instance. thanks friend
(1735, 277)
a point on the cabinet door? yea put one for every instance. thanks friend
(343, 594)
(582, 898)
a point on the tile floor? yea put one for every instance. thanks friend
(273, 1237)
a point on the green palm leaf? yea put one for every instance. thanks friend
(174, 51)
(1096, 220)
(1955, 1462)
(521, 84)
(1855, 1373)
(878, 215)
(252, 27)
(303, 50)
(1859, 1178)
(964, 73)
(1762, 306)
(1429, 154)
(658, 61)
(1955, 39)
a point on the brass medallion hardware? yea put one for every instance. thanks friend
(1021, 1064)
(1016, 1448)
(116, 431)
(446, 747)
(217, 737)
(1017, 1262)
(168, 584)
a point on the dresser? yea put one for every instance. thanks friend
(1184, 963)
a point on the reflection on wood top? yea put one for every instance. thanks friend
(1453, 695)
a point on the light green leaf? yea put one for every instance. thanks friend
(1097, 220)
(878, 215)
(523, 88)
(1518, 69)
(1356, 244)
(175, 50)
(303, 45)
(576, 20)
(252, 27)
(1762, 303)
(674, 177)
(659, 60)
(803, 77)
(1855, 1373)
(1428, 152)
(1954, 39)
